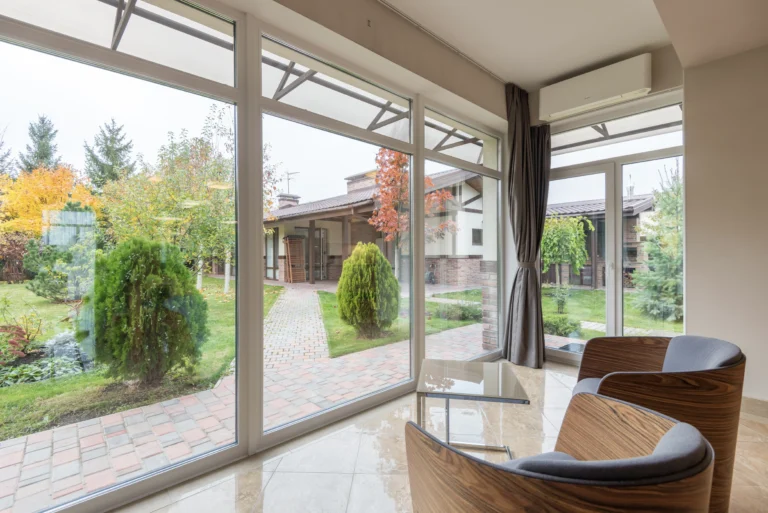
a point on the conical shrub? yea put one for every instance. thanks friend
(368, 292)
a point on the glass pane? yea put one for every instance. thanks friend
(326, 340)
(573, 256)
(122, 361)
(448, 136)
(182, 37)
(88, 20)
(652, 247)
(295, 78)
(461, 263)
(645, 124)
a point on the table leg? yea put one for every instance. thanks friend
(419, 409)
(447, 420)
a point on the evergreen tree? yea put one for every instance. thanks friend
(42, 151)
(6, 162)
(110, 155)
(660, 287)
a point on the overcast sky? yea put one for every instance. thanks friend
(79, 98)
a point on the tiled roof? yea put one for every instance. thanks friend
(361, 197)
(632, 206)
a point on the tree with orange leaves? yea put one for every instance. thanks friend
(392, 216)
(25, 198)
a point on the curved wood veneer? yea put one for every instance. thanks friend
(444, 480)
(709, 400)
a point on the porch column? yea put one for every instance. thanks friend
(345, 238)
(311, 252)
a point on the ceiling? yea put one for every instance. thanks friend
(706, 30)
(539, 42)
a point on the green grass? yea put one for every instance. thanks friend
(475, 295)
(343, 339)
(33, 407)
(589, 305)
(55, 316)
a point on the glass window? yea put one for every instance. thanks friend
(115, 264)
(460, 262)
(297, 79)
(573, 262)
(453, 138)
(338, 205)
(653, 225)
(182, 37)
(89, 20)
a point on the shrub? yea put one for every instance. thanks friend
(40, 370)
(148, 316)
(561, 326)
(45, 263)
(560, 294)
(368, 292)
(459, 312)
(17, 334)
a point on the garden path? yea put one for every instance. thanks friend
(58, 465)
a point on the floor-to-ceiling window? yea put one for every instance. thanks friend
(337, 323)
(612, 251)
(118, 233)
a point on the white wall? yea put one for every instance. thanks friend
(726, 130)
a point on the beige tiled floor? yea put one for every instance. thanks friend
(359, 465)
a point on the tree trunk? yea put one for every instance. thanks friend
(557, 273)
(200, 272)
(227, 271)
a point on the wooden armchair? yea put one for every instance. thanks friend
(603, 437)
(692, 379)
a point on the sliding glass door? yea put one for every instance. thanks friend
(612, 251)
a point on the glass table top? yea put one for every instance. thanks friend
(484, 381)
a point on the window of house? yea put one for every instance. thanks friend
(477, 236)
(445, 135)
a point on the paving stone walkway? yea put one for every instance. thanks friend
(55, 466)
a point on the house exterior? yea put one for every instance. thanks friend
(340, 222)
(635, 211)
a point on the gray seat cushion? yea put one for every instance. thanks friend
(690, 353)
(588, 385)
(680, 449)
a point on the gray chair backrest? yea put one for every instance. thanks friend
(680, 449)
(688, 353)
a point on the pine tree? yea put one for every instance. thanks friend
(660, 287)
(6, 162)
(110, 156)
(42, 151)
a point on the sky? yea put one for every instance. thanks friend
(79, 98)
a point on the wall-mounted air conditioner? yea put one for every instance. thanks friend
(612, 84)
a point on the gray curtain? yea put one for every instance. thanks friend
(529, 150)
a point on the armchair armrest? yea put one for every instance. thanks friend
(602, 428)
(604, 355)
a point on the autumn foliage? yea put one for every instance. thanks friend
(26, 198)
(393, 195)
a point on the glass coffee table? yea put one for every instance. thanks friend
(469, 381)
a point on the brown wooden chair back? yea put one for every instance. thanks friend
(445, 480)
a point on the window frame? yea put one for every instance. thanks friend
(249, 106)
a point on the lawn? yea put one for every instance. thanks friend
(474, 295)
(589, 305)
(343, 339)
(33, 407)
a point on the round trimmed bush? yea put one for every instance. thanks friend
(368, 292)
(149, 317)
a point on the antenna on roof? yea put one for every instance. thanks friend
(630, 188)
(288, 180)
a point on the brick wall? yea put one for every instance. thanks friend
(455, 271)
(488, 277)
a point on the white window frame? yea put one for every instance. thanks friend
(249, 107)
(614, 237)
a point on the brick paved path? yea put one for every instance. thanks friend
(55, 466)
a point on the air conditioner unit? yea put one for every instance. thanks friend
(610, 85)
